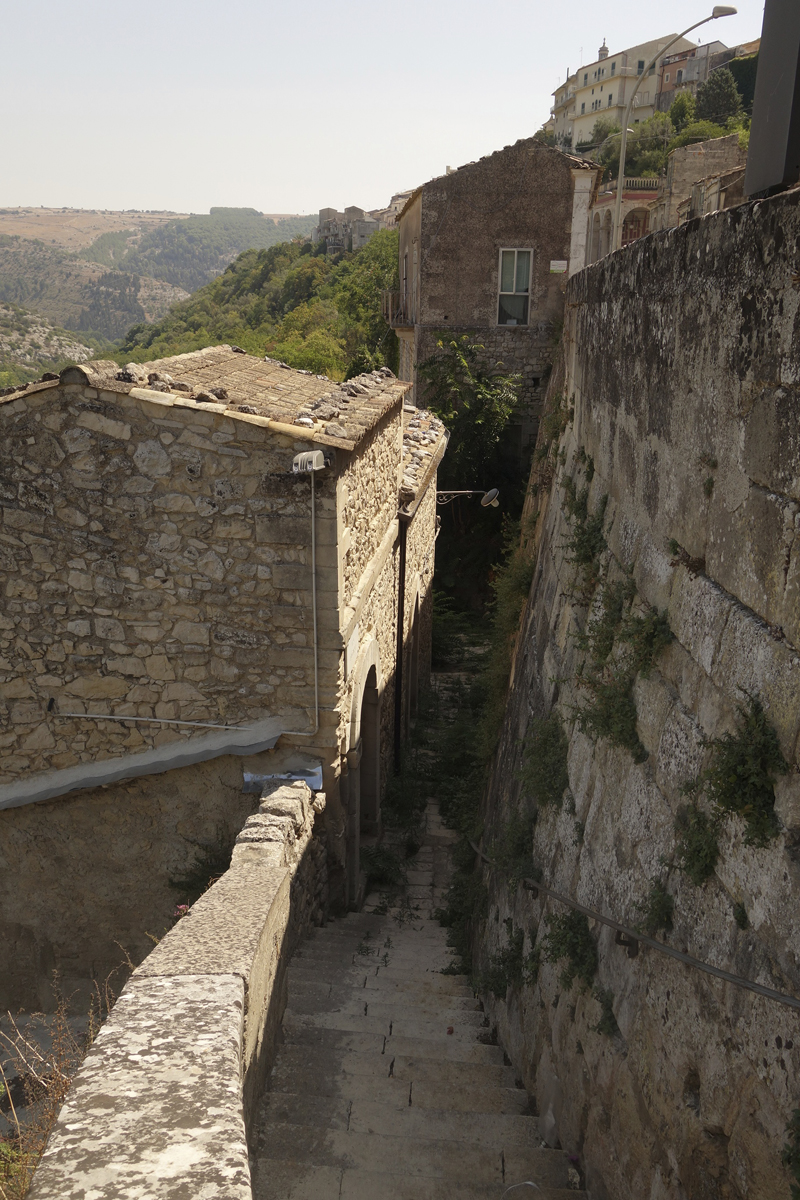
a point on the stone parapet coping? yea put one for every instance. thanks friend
(164, 1100)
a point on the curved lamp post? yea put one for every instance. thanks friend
(488, 499)
(720, 10)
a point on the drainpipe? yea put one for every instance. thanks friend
(398, 666)
(311, 461)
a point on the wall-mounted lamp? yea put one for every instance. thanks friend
(488, 499)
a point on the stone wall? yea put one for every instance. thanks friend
(154, 564)
(681, 360)
(85, 879)
(164, 1101)
(521, 197)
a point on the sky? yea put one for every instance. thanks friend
(185, 104)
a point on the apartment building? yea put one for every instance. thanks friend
(603, 87)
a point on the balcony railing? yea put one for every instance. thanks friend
(634, 184)
(397, 309)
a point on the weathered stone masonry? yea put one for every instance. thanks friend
(156, 565)
(681, 362)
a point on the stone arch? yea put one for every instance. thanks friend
(594, 241)
(362, 789)
(368, 657)
(412, 676)
(607, 234)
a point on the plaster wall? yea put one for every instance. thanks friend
(680, 358)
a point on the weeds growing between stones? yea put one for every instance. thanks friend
(569, 938)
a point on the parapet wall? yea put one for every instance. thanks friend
(164, 1101)
(682, 425)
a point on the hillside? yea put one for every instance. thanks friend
(76, 228)
(102, 272)
(75, 294)
(191, 251)
(30, 345)
(313, 312)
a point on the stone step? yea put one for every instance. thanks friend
(448, 1049)
(401, 1025)
(309, 1000)
(430, 983)
(371, 1116)
(372, 990)
(320, 1071)
(277, 1179)
(459, 1087)
(452, 1160)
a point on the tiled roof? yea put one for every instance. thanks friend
(424, 443)
(334, 413)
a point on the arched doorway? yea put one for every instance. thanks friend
(370, 765)
(412, 687)
(361, 774)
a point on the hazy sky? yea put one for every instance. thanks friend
(287, 107)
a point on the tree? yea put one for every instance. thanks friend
(718, 98)
(682, 111)
(698, 131)
(602, 130)
(544, 135)
(475, 398)
(646, 152)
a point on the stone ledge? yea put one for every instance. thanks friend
(163, 1102)
(156, 1106)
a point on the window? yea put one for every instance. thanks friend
(666, 77)
(640, 66)
(585, 77)
(583, 107)
(515, 284)
(610, 98)
(613, 67)
(679, 77)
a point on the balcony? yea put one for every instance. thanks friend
(633, 183)
(397, 309)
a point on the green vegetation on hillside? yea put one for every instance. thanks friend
(717, 111)
(30, 345)
(75, 294)
(191, 251)
(312, 311)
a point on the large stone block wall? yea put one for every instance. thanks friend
(154, 563)
(165, 1100)
(681, 358)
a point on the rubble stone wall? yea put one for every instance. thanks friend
(165, 1100)
(155, 562)
(682, 366)
(519, 198)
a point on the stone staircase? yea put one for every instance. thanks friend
(383, 1088)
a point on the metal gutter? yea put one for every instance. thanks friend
(250, 739)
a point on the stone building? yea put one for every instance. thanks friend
(700, 179)
(486, 250)
(349, 230)
(686, 166)
(184, 599)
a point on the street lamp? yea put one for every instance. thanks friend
(720, 10)
(488, 499)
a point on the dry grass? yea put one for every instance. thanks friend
(43, 1069)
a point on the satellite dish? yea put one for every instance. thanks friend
(490, 498)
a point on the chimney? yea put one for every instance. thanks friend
(603, 51)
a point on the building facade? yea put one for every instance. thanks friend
(486, 250)
(603, 88)
(343, 231)
(184, 601)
